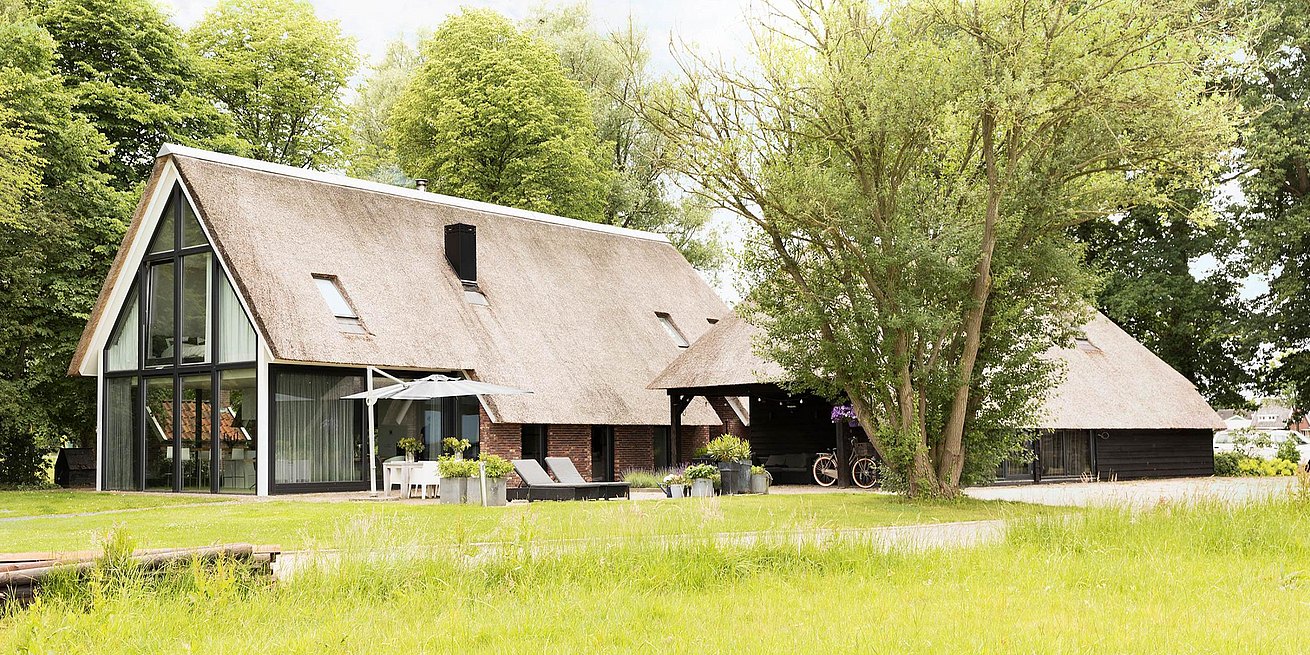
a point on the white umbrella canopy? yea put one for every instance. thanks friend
(428, 388)
(435, 386)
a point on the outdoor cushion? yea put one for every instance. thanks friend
(776, 460)
(567, 473)
(532, 473)
(796, 461)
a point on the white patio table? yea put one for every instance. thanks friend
(400, 468)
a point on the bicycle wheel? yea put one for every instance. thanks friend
(864, 472)
(825, 470)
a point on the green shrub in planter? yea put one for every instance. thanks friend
(729, 448)
(702, 478)
(760, 479)
(455, 474)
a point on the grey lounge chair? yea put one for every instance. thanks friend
(567, 473)
(542, 487)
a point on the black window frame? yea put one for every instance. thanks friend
(176, 370)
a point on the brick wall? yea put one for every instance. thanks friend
(693, 437)
(504, 439)
(573, 442)
(633, 448)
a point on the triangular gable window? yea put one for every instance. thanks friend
(123, 348)
(165, 239)
(192, 235)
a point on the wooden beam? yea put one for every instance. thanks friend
(843, 455)
(677, 404)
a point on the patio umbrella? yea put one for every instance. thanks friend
(428, 388)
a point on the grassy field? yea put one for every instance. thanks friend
(42, 503)
(295, 524)
(1200, 579)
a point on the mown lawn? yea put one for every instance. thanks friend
(1198, 579)
(295, 524)
(41, 503)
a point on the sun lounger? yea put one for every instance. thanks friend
(567, 473)
(540, 486)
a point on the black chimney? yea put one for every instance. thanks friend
(462, 252)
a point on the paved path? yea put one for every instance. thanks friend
(1138, 493)
(920, 537)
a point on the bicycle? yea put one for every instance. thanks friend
(864, 470)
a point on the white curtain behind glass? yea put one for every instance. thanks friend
(236, 337)
(123, 349)
(318, 434)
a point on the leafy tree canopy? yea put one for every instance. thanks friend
(1276, 145)
(911, 175)
(278, 71)
(132, 76)
(56, 240)
(613, 69)
(491, 116)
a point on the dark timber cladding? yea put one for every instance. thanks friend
(1128, 454)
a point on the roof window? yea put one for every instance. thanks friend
(347, 318)
(1084, 344)
(674, 333)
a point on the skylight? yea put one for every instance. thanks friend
(347, 319)
(672, 329)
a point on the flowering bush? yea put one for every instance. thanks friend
(701, 472)
(674, 478)
(844, 413)
(1265, 467)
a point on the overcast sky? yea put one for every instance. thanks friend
(712, 25)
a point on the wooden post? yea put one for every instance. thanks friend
(677, 403)
(843, 455)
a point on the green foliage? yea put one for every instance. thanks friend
(729, 448)
(760, 470)
(371, 156)
(60, 221)
(1255, 466)
(1199, 326)
(1275, 86)
(701, 472)
(1228, 463)
(1287, 450)
(133, 77)
(613, 68)
(454, 446)
(910, 175)
(450, 467)
(410, 445)
(490, 116)
(277, 70)
(495, 466)
(646, 479)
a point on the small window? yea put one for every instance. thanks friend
(1084, 344)
(336, 301)
(672, 329)
(712, 321)
(347, 319)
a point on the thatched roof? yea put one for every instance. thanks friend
(725, 356)
(571, 306)
(1113, 383)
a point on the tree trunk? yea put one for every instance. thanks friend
(952, 457)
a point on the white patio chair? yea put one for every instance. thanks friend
(427, 474)
(387, 481)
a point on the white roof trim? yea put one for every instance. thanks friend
(136, 251)
(413, 194)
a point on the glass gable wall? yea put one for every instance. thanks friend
(180, 393)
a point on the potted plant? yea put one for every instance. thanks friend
(702, 479)
(496, 469)
(734, 456)
(676, 485)
(454, 479)
(455, 447)
(760, 480)
(411, 446)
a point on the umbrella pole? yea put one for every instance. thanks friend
(372, 440)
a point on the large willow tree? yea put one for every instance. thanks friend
(911, 172)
